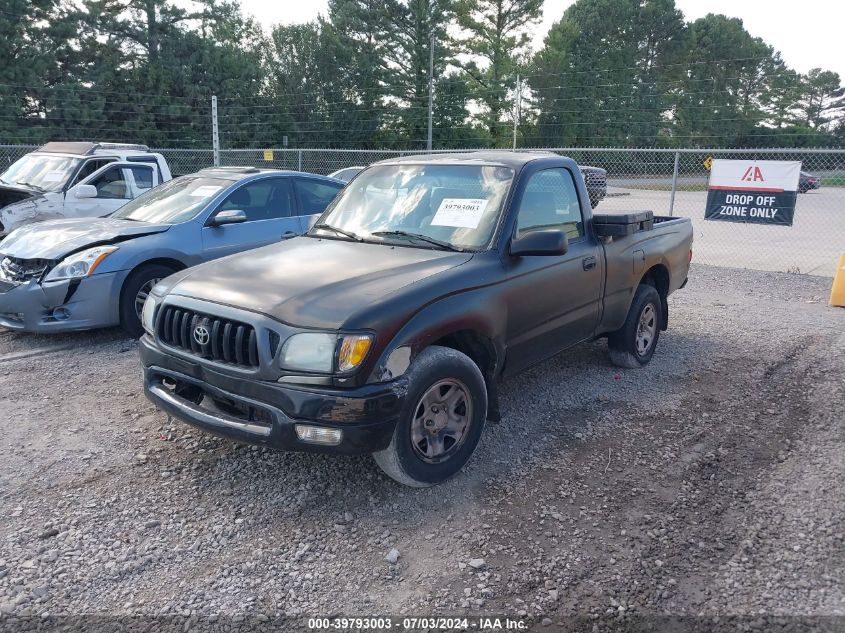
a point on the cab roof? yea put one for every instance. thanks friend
(84, 148)
(239, 173)
(504, 158)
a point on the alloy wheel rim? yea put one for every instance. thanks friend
(143, 293)
(646, 329)
(441, 420)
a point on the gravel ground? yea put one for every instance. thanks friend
(705, 486)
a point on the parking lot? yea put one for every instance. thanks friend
(812, 245)
(705, 484)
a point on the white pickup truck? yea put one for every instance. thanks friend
(76, 179)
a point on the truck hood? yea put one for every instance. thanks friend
(312, 282)
(54, 239)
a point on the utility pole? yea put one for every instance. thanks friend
(215, 133)
(517, 108)
(430, 89)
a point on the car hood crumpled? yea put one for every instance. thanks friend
(311, 282)
(55, 239)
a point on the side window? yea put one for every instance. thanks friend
(111, 184)
(315, 195)
(550, 201)
(261, 200)
(90, 167)
(143, 177)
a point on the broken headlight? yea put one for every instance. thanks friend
(81, 264)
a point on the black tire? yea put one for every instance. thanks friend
(402, 459)
(138, 279)
(623, 343)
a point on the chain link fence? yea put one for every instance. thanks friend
(666, 181)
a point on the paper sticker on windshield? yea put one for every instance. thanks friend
(462, 213)
(204, 191)
(54, 176)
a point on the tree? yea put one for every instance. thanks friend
(721, 99)
(607, 71)
(497, 40)
(356, 34)
(820, 92)
(414, 27)
(452, 126)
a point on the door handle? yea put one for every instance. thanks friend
(289, 234)
(588, 263)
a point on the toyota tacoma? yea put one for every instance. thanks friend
(386, 328)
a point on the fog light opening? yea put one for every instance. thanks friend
(61, 314)
(318, 435)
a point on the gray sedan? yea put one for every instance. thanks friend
(86, 273)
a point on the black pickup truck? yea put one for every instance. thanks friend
(386, 327)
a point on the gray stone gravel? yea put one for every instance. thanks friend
(707, 484)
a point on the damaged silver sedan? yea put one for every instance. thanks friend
(85, 273)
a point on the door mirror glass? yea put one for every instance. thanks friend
(85, 191)
(228, 216)
(549, 242)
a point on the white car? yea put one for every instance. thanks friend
(75, 180)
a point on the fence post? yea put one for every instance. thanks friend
(674, 184)
(215, 133)
(299, 153)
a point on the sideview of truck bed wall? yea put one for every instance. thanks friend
(663, 250)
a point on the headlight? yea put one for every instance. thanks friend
(80, 264)
(148, 314)
(324, 352)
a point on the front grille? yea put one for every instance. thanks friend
(210, 337)
(595, 179)
(21, 270)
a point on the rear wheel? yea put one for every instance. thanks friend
(441, 421)
(134, 294)
(634, 343)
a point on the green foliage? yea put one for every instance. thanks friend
(610, 72)
(497, 41)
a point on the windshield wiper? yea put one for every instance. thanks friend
(417, 236)
(329, 227)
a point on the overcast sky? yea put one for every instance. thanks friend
(808, 33)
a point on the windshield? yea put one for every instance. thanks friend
(177, 201)
(456, 205)
(41, 171)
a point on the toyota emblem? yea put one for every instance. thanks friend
(201, 335)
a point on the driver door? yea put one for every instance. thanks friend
(269, 207)
(116, 184)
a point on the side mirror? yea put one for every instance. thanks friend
(549, 242)
(232, 216)
(84, 191)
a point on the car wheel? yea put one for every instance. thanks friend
(441, 422)
(135, 291)
(634, 343)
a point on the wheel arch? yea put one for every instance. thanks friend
(658, 277)
(481, 350)
(174, 265)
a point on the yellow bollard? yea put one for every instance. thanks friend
(837, 293)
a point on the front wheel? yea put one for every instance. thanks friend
(134, 294)
(634, 343)
(441, 422)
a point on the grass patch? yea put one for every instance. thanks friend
(834, 179)
(702, 186)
